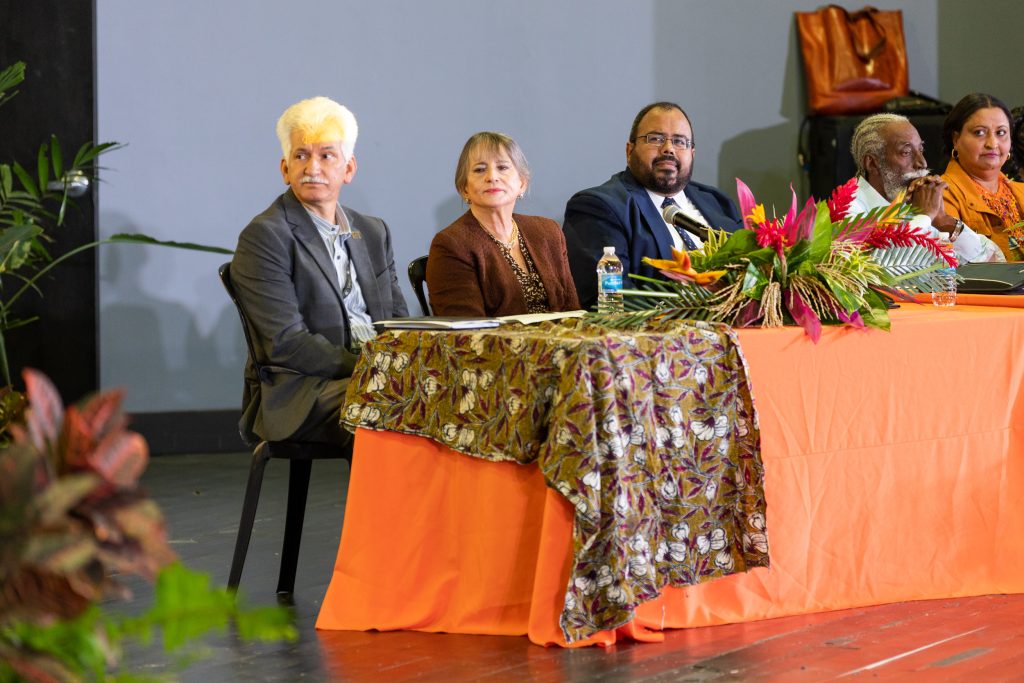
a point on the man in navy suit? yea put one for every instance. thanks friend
(312, 275)
(626, 211)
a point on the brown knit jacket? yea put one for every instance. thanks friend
(468, 275)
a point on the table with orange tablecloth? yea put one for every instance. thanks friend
(894, 470)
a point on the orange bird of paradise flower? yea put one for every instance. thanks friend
(680, 269)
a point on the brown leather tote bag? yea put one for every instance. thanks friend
(854, 62)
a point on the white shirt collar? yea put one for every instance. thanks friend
(327, 228)
(872, 197)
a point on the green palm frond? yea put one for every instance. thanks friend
(914, 268)
(914, 256)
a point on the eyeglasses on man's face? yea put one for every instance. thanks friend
(658, 139)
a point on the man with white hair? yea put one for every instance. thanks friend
(890, 160)
(312, 276)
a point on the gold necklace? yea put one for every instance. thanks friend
(512, 240)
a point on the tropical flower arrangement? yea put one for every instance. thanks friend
(813, 266)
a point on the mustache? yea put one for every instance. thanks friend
(914, 175)
(666, 157)
(314, 179)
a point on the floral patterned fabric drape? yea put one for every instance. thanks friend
(651, 435)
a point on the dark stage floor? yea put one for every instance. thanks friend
(972, 639)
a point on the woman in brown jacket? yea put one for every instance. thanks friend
(491, 261)
(977, 134)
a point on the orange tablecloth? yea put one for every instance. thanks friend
(894, 470)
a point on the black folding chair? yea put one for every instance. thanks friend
(300, 455)
(418, 278)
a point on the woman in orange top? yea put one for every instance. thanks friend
(977, 133)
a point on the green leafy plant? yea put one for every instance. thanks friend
(32, 206)
(72, 520)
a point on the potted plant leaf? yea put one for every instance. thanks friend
(72, 520)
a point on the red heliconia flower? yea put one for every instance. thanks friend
(886, 235)
(771, 233)
(842, 197)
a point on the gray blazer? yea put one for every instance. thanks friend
(289, 287)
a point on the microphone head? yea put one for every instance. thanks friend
(669, 212)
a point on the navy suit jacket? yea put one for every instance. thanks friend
(620, 214)
(286, 281)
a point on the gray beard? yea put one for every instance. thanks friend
(893, 183)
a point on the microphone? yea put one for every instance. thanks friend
(674, 215)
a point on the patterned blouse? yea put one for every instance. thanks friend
(1002, 203)
(529, 280)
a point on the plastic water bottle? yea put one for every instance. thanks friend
(946, 295)
(609, 283)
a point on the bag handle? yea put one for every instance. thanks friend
(864, 52)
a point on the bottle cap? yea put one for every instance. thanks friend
(609, 251)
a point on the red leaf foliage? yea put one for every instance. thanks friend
(120, 458)
(102, 413)
(46, 411)
(75, 474)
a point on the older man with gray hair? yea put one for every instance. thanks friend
(313, 276)
(890, 161)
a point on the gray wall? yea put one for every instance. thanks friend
(981, 49)
(195, 86)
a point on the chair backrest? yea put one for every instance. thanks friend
(418, 278)
(225, 277)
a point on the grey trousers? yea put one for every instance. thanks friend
(324, 421)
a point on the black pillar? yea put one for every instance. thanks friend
(55, 39)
